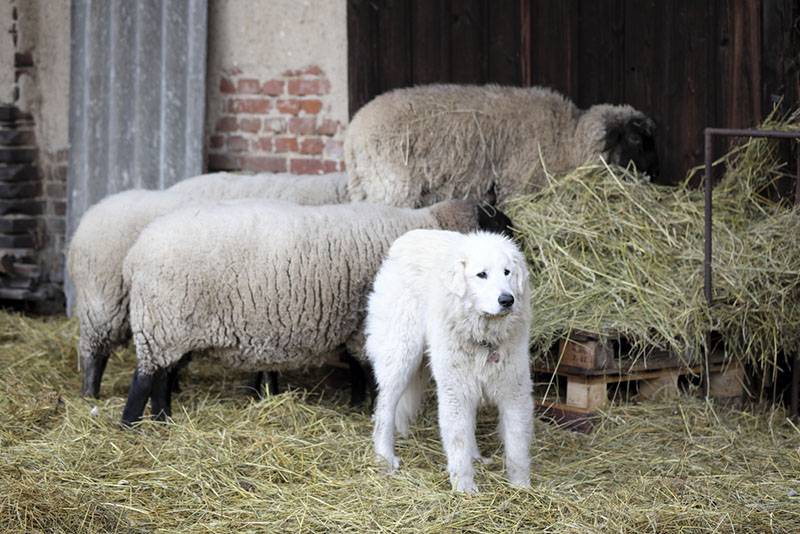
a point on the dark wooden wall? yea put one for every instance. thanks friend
(686, 63)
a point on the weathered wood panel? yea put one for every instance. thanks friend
(686, 63)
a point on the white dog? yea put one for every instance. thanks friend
(465, 299)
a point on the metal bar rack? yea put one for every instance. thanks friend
(710, 134)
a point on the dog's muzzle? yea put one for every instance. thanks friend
(506, 300)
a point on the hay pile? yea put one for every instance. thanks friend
(614, 256)
(303, 462)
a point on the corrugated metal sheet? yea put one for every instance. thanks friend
(137, 97)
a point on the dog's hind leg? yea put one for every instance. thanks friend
(393, 372)
(410, 402)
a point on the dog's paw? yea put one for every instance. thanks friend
(485, 460)
(389, 461)
(465, 485)
(522, 481)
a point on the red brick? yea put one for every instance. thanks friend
(250, 125)
(248, 86)
(331, 166)
(289, 73)
(342, 167)
(273, 87)
(334, 149)
(308, 87)
(249, 105)
(264, 164)
(227, 124)
(302, 125)
(223, 162)
(275, 125)
(226, 86)
(285, 144)
(237, 143)
(263, 144)
(288, 107)
(328, 127)
(312, 107)
(313, 70)
(311, 146)
(216, 141)
(306, 166)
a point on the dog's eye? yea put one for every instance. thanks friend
(481, 274)
(506, 272)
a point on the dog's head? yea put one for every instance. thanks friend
(489, 275)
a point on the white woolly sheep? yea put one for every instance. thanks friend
(416, 146)
(108, 229)
(260, 285)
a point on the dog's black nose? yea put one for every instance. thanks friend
(506, 300)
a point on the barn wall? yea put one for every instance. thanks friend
(277, 85)
(686, 63)
(34, 86)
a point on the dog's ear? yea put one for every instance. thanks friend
(457, 277)
(520, 273)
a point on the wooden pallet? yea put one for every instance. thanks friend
(590, 369)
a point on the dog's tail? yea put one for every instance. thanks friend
(410, 402)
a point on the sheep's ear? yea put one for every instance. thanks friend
(457, 277)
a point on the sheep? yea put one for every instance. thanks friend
(416, 146)
(306, 189)
(261, 284)
(108, 229)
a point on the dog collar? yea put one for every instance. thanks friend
(494, 354)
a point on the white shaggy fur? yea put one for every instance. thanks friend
(108, 230)
(440, 292)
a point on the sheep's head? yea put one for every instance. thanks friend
(633, 140)
(621, 134)
(468, 216)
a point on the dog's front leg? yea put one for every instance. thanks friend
(515, 405)
(457, 412)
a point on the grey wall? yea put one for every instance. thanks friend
(137, 97)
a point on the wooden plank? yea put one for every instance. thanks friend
(363, 67)
(554, 45)
(467, 42)
(727, 382)
(429, 63)
(661, 387)
(781, 46)
(601, 54)
(503, 31)
(585, 393)
(587, 354)
(526, 41)
(738, 57)
(394, 44)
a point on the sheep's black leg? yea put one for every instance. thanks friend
(257, 386)
(139, 392)
(174, 372)
(358, 380)
(94, 366)
(161, 395)
(272, 384)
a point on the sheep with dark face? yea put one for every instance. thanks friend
(417, 146)
(108, 229)
(261, 285)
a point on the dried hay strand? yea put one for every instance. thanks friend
(302, 461)
(617, 257)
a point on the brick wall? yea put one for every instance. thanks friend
(280, 124)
